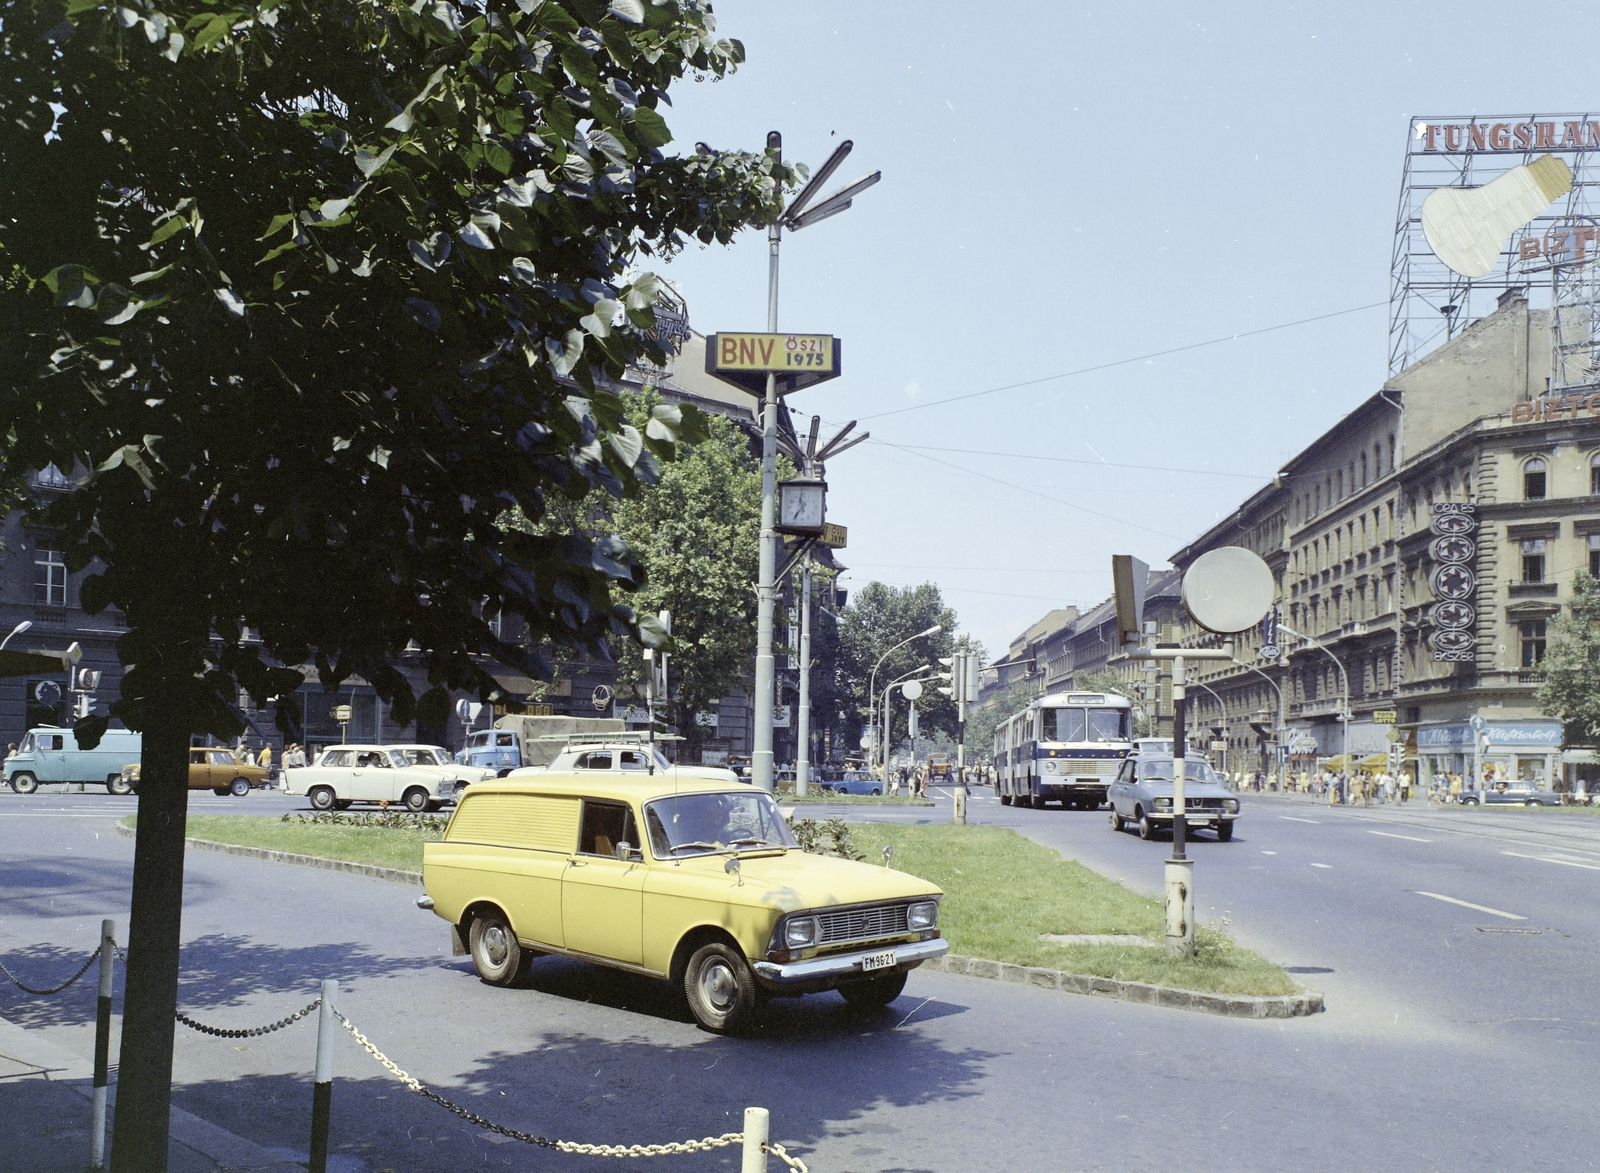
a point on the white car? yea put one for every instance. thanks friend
(624, 758)
(418, 777)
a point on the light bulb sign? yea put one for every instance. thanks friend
(795, 361)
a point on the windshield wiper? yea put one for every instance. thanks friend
(757, 843)
(686, 846)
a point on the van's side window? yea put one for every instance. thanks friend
(50, 741)
(605, 824)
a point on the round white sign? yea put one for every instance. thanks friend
(1228, 590)
(911, 689)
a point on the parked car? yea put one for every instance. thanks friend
(699, 883)
(438, 757)
(1141, 794)
(1511, 792)
(625, 757)
(346, 774)
(212, 767)
(855, 782)
(50, 754)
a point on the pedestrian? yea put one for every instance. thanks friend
(1455, 787)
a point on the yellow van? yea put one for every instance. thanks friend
(698, 883)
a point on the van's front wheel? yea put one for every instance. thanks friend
(720, 989)
(117, 784)
(23, 782)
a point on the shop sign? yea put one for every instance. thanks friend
(1554, 407)
(1526, 733)
(1385, 717)
(1514, 136)
(1443, 736)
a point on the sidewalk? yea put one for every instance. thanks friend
(45, 1105)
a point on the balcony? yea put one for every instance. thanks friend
(1530, 677)
(51, 477)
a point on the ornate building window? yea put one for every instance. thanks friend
(1533, 635)
(1533, 560)
(50, 578)
(1533, 480)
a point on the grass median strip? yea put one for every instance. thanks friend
(394, 844)
(1003, 892)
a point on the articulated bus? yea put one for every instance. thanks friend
(1063, 748)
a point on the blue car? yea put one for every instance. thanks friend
(854, 782)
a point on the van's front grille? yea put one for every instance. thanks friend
(862, 924)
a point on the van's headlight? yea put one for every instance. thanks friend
(1163, 804)
(922, 916)
(800, 932)
(1230, 804)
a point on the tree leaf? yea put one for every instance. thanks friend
(368, 164)
(650, 128)
(631, 11)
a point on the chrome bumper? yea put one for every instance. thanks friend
(1194, 816)
(847, 964)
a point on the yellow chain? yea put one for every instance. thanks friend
(672, 1148)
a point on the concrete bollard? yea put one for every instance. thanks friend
(960, 816)
(756, 1123)
(322, 1090)
(102, 1047)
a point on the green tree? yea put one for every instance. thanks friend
(877, 618)
(309, 292)
(1109, 680)
(696, 532)
(1571, 686)
(983, 719)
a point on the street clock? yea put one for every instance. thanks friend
(800, 507)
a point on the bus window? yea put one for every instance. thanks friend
(1063, 724)
(1108, 725)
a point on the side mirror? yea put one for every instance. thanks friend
(732, 868)
(627, 852)
(888, 852)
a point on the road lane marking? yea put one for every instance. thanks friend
(1269, 853)
(1292, 819)
(1322, 865)
(1469, 904)
(1571, 863)
(1390, 835)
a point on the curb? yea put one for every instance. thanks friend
(1230, 1005)
(373, 871)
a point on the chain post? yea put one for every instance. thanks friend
(102, 1047)
(757, 1121)
(322, 1091)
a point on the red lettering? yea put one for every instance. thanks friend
(1452, 137)
(1557, 242)
(1594, 134)
(1524, 135)
(1582, 239)
(766, 351)
(747, 352)
(1527, 248)
(1547, 134)
(1431, 132)
(727, 351)
(1499, 136)
(1475, 136)
(1594, 405)
(1521, 413)
(1572, 134)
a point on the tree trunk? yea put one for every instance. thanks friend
(150, 998)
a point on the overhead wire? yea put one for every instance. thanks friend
(1121, 362)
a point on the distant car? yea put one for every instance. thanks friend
(855, 782)
(215, 768)
(1512, 793)
(1141, 794)
(346, 774)
(438, 757)
(625, 758)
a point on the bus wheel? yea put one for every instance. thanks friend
(1005, 800)
(1037, 801)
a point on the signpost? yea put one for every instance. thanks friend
(768, 365)
(833, 536)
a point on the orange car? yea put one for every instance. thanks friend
(214, 768)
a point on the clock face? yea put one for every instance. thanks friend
(1454, 616)
(1454, 548)
(1452, 581)
(802, 507)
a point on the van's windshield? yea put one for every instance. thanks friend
(697, 824)
(27, 744)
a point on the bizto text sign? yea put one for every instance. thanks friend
(773, 352)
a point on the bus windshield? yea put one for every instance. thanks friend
(1093, 726)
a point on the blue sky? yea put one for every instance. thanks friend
(1073, 186)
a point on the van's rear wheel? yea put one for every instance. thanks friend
(321, 798)
(720, 989)
(23, 782)
(116, 784)
(499, 958)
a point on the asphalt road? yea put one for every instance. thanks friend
(1443, 1048)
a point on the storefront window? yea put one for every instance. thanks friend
(1531, 769)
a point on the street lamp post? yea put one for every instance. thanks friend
(798, 215)
(872, 685)
(886, 719)
(15, 631)
(1344, 680)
